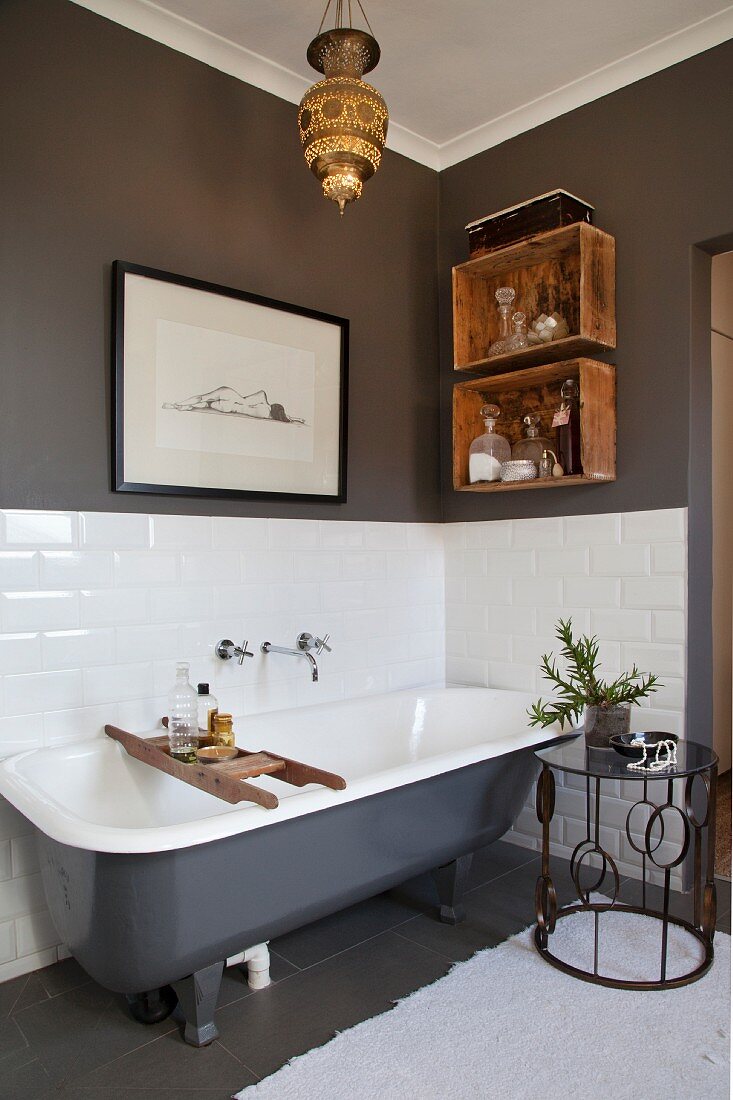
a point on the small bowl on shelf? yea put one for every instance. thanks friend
(623, 743)
(518, 469)
(213, 754)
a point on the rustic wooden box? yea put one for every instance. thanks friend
(526, 219)
(537, 390)
(570, 270)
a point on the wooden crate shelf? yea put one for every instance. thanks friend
(569, 270)
(537, 390)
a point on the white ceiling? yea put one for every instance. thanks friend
(458, 75)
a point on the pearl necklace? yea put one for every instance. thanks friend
(658, 764)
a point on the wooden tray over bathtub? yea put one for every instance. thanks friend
(226, 779)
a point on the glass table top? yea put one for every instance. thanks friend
(572, 755)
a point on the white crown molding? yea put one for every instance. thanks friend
(181, 34)
(667, 51)
(190, 38)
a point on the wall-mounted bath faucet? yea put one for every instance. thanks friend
(226, 649)
(304, 644)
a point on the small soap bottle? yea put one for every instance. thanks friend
(223, 730)
(208, 708)
(488, 451)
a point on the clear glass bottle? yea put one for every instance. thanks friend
(207, 708)
(183, 726)
(488, 451)
(504, 298)
(223, 730)
(566, 421)
(533, 443)
(519, 338)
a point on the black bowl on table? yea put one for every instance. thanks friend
(621, 742)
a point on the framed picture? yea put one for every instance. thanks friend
(221, 393)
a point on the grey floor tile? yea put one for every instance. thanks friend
(24, 1080)
(9, 993)
(58, 1029)
(307, 1009)
(12, 1039)
(459, 942)
(279, 967)
(723, 924)
(680, 904)
(62, 977)
(34, 992)
(75, 1032)
(495, 860)
(493, 912)
(170, 1063)
(341, 931)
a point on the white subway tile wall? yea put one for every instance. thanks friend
(622, 577)
(95, 609)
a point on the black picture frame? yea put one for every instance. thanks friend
(120, 483)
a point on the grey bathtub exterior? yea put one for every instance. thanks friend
(137, 922)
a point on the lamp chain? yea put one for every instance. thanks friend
(339, 15)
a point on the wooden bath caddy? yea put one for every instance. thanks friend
(226, 779)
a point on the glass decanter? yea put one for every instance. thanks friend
(488, 451)
(504, 297)
(533, 443)
(519, 338)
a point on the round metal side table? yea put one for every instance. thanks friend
(690, 788)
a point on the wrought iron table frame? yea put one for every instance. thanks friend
(702, 927)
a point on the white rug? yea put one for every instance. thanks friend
(508, 1026)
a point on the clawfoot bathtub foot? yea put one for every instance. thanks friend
(451, 881)
(197, 997)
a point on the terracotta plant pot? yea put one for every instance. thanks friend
(600, 723)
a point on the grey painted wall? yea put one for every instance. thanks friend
(656, 160)
(115, 147)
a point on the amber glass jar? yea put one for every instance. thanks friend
(223, 730)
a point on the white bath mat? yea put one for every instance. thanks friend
(507, 1026)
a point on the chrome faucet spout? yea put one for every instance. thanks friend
(314, 667)
(305, 643)
(268, 647)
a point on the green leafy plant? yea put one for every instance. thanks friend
(579, 686)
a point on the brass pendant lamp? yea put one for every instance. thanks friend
(342, 120)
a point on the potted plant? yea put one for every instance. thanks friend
(578, 689)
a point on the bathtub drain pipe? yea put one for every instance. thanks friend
(257, 961)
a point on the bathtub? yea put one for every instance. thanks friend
(152, 883)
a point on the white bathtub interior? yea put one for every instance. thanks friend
(93, 795)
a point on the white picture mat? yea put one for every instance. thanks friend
(210, 340)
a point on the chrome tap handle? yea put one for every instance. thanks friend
(226, 649)
(306, 642)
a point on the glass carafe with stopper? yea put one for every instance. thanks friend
(533, 443)
(506, 342)
(566, 422)
(488, 451)
(183, 724)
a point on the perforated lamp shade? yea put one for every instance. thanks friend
(343, 120)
